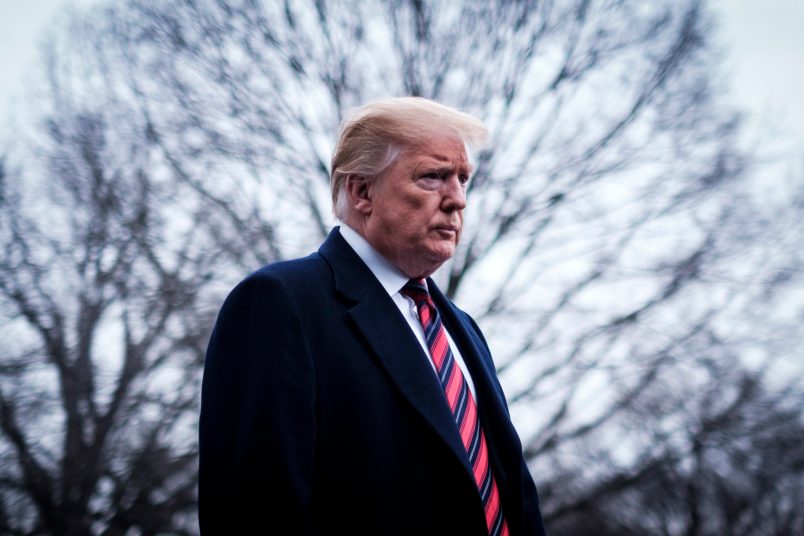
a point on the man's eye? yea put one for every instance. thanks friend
(464, 179)
(431, 176)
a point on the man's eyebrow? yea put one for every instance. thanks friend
(441, 165)
(444, 169)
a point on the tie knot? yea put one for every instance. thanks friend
(416, 289)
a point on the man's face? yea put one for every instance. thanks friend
(416, 207)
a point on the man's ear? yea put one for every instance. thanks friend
(359, 191)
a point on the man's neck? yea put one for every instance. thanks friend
(389, 276)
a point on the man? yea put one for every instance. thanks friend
(343, 393)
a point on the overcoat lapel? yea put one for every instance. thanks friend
(505, 447)
(378, 320)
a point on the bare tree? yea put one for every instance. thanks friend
(616, 251)
(104, 325)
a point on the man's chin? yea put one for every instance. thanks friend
(446, 251)
(440, 256)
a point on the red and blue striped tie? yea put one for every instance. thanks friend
(462, 404)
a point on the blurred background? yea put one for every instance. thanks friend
(634, 242)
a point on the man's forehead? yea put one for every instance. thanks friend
(445, 164)
(440, 156)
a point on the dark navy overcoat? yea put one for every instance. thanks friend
(321, 415)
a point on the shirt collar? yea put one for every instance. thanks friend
(389, 276)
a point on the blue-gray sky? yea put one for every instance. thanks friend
(764, 59)
(762, 41)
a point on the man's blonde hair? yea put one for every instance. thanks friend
(374, 135)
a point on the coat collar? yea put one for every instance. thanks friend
(394, 345)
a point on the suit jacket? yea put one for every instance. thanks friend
(321, 415)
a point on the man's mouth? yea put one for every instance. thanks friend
(447, 228)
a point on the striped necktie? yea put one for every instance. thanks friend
(461, 402)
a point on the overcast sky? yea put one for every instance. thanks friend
(763, 42)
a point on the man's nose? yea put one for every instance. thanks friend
(454, 194)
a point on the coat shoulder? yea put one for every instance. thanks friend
(293, 276)
(292, 272)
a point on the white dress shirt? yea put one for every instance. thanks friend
(392, 280)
